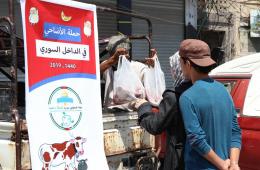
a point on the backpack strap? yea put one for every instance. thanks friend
(171, 91)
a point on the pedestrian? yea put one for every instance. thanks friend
(168, 118)
(213, 134)
(119, 45)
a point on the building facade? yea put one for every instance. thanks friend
(225, 26)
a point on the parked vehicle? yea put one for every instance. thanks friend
(242, 79)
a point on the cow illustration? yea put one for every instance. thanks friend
(68, 152)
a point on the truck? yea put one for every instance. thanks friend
(126, 144)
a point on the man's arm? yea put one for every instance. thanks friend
(106, 64)
(234, 157)
(221, 164)
(235, 141)
(112, 59)
(155, 123)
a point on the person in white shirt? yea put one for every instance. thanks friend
(119, 45)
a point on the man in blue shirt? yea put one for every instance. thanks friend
(210, 120)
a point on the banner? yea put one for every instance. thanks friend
(63, 100)
(255, 23)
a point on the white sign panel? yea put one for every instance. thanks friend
(255, 23)
(62, 50)
(63, 100)
(191, 13)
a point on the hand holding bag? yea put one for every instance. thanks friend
(154, 82)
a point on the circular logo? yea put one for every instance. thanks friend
(65, 108)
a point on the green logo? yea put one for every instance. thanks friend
(65, 108)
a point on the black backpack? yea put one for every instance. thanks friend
(177, 133)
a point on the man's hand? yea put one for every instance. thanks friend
(134, 105)
(150, 60)
(153, 53)
(112, 60)
(234, 166)
(120, 51)
(226, 165)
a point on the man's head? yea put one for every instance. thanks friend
(116, 42)
(195, 56)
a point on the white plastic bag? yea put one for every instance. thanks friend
(154, 83)
(127, 85)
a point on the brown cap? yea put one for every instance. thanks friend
(197, 51)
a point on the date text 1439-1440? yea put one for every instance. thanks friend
(61, 65)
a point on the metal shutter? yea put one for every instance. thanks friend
(107, 23)
(4, 11)
(167, 18)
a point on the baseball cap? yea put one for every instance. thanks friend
(118, 41)
(196, 51)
